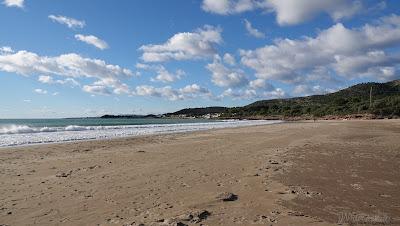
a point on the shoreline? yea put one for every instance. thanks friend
(140, 136)
(274, 171)
(121, 136)
(201, 130)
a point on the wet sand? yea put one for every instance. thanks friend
(301, 173)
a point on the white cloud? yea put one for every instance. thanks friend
(144, 66)
(184, 46)
(6, 50)
(373, 63)
(258, 84)
(216, 6)
(187, 92)
(166, 92)
(14, 3)
(239, 94)
(288, 12)
(40, 91)
(49, 80)
(322, 75)
(96, 89)
(253, 31)
(225, 7)
(70, 22)
(253, 94)
(274, 94)
(46, 79)
(92, 40)
(165, 76)
(229, 59)
(72, 65)
(69, 65)
(226, 77)
(307, 90)
(117, 86)
(55, 93)
(359, 52)
(194, 89)
(146, 90)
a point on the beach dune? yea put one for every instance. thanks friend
(301, 173)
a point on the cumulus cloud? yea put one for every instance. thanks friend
(92, 40)
(72, 65)
(239, 94)
(6, 50)
(14, 3)
(46, 79)
(273, 93)
(40, 91)
(111, 82)
(226, 77)
(189, 91)
(258, 84)
(70, 22)
(69, 65)
(194, 88)
(307, 90)
(229, 59)
(288, 12)
(49, 80)
(163, 75)
(96, 89)
(253, 31)
(368, 64)
(351, 53)
(144, 66)
(225, 7)
(184, 46)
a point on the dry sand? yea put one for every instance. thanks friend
(301, 173)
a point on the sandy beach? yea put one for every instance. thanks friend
(301, 173)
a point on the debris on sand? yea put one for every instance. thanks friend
(227, 197)
(64, 174)
(273, 162)
(192, 217)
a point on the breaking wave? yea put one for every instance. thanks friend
(18, 129)
(13, 135)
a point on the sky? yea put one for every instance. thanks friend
(79, 58)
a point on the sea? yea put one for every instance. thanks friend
(17, 132)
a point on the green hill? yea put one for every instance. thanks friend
(198, 111)
(375, 100)
(355, 100)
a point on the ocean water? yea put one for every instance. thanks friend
(15, 132)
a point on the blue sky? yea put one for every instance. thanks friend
(88, 58)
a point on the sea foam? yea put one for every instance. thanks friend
(15, 135)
